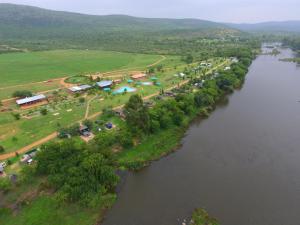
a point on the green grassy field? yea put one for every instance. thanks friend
(46, 211)
(34, 88)
(21, 68)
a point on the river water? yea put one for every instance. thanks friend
(242, 164)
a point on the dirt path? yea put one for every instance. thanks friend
(31, 83)
(54, 135)
(29, 147)
(88, 107)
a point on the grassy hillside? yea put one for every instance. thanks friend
(20, 68)
(36, 28)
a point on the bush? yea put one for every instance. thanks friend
(125, 139)
(5, 184)
(44, 112)
(201, 217)
(17, 116)
(81, 100)
(2, 150)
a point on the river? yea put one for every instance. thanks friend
(242, 164)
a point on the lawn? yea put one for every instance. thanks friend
(45, 211)
(21, 68)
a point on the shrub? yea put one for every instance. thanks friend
(5, 184)
(44, 112)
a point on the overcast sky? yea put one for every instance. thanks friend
(217, 10)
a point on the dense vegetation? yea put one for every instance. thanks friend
(78, 172)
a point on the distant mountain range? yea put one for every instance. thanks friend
(270, 27)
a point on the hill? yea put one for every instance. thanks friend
(37, 28)
(269, 27)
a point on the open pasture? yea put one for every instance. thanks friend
(23, 68)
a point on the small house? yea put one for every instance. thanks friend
(104, 84)
(31, 100)
(138, 76)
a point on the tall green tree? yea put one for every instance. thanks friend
(137, 115)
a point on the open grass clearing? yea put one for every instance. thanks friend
(21, 68)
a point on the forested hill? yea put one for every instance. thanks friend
(37, 28)
(32, 17)
(270, 27)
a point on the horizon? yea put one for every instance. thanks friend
(129, 11)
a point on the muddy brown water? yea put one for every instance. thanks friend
(242, 164)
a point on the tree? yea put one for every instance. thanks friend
(203, 99)
(189, 59)
(76, 174)
(22, 94)
(137, 115)
(2, 150)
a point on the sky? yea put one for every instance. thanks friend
(238, 11)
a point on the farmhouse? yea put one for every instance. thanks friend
(31, 100)
(80, 88)
(105, 84)
(139, 76)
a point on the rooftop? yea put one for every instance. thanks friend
(30, 99)
(139, 75)
(80, 88)
(104, 83)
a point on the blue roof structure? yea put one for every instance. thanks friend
(30, 99)
(104, 83)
